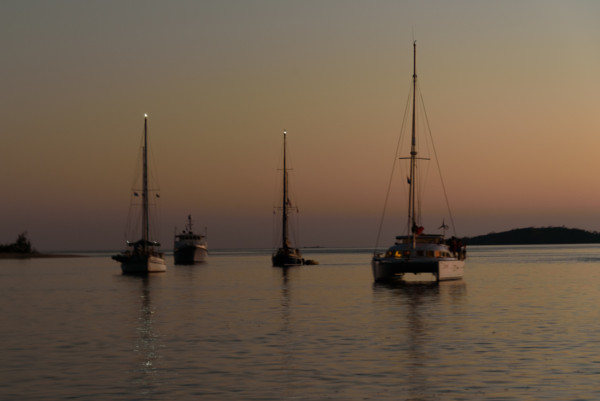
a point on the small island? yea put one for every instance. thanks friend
(22, 249)
(536, 236)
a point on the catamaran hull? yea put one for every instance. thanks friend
(189, 255)
(443, 270)
(138, 266)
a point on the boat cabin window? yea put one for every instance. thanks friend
(398, 254)
(402, 253)
(442, 254)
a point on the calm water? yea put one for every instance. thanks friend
(523, 324)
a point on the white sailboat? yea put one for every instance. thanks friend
(143, 256)
(417, 252)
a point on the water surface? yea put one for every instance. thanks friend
(522, 324)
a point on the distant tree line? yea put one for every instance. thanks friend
(21, 245)
(533, 236)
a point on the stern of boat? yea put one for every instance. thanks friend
(450, 270)
(389, 269)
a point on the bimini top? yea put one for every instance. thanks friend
(422, 239)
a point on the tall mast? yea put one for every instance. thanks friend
(413, 151)
(145, 229)
(284, 228)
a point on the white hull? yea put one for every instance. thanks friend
(451, 270)
(156, 265)
(200, 254)
(386, 269)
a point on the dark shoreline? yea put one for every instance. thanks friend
(536, 236)
(13, 255)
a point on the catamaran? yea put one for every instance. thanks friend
(143, 257)
(286, 255)
(417, 252)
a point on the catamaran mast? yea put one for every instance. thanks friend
(145, 228)
(413, 153)
(284, 228)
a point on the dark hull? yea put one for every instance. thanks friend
(140, 264)
(189, 255)
(287, 257)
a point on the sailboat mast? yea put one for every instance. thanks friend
(284, 228)
(413, 152)
(145, 229)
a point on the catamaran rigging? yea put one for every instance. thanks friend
(417, 252)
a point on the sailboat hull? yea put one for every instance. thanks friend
(388, 269)
(286, 258)
(139, 265)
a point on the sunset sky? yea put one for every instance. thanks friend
(512, 90)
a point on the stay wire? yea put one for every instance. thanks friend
(437, 161)
(390, 181)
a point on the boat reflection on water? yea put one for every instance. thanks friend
(146, 347)
(423, 337)
(412, 292)
(288, 376)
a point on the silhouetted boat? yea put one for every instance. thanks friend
(189, 248)
(286, 255)
(417, 252)
(143, 256)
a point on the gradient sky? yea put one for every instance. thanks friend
(512, 91)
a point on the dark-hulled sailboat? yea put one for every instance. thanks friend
(143, 256)
(286, 255)
(417, 252)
